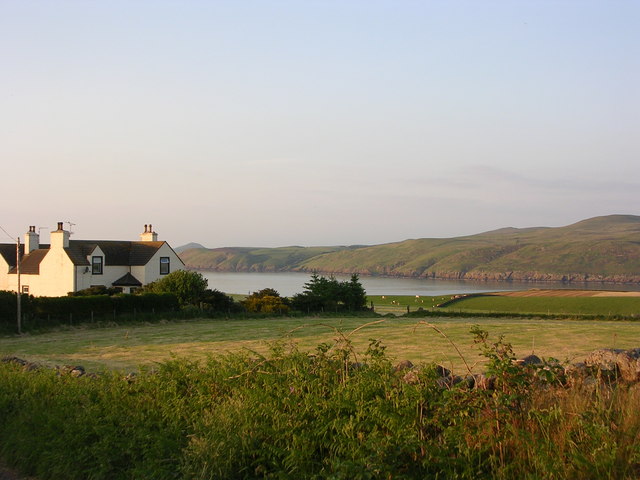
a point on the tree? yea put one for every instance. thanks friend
(187, 285)
(328, 294)
(217, 301)
(355, 296)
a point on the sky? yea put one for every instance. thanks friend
(334, 122)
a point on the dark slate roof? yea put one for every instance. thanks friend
(8, 252)
(127, 280)
(121, 253)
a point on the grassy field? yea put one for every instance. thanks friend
(397, 304)
(606, 306)
(129, 347)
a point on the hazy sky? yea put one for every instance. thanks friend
(272, 123)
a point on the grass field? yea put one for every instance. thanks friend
(569, 305)
(397, 304)
(129, 347)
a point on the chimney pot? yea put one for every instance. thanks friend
(150, 228)
(145, 228)
(60, 226)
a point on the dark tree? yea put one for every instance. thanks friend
(328, 294)
(217, 301)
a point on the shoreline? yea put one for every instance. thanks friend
(476, 277)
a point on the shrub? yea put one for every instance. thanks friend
(216, 301)
(188, 286)
(266, 300)
(95, 290)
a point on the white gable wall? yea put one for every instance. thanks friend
(4, 274)
(110, 273)
(151, 271)
(56, 277)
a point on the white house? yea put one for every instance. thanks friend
(70, 265)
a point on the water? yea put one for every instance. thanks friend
(290, 283)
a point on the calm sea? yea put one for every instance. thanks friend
(290, 283)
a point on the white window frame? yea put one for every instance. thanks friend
(165, 261)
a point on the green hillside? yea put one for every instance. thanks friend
(249, 259)
(598, 249)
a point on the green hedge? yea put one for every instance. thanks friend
(45, 311)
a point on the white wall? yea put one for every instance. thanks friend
(4, 274)
(56, 276)
(151, 271)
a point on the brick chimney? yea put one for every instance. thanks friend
(31, 240)
(60, 237)
(148, 235)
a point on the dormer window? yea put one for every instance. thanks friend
(96, 265)
(164, 265)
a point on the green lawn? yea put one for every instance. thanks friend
(397, 304)
(128, 347)
(607, 306)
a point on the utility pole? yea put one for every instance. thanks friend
(19, 297)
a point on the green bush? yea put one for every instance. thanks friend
(51, 311)
(266, 301)
(216, 301)
(188, 286)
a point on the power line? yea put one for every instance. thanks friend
(7, 233)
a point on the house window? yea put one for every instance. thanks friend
(164, 265)
(25, 289)
(96, 265)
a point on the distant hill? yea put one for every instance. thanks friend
(249, 259)
(188, 246)
(598, 249)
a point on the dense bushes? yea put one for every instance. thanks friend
(322, 294)
(49, 311)
(327, 415)
(103, 304)
(187, 285)
(267, 301)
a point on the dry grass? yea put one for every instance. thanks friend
(129, 347)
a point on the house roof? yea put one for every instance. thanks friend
(30, 263)
(127, 280)
(8, 252)
(116, 253)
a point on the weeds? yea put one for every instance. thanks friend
(331, 414)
